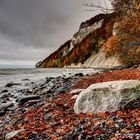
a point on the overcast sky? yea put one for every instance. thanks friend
(32, 29)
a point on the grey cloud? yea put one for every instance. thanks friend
(32, 29)
(28, 20)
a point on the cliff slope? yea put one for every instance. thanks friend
(85, 49)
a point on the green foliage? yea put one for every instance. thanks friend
(97, 42)
(101, 41)
(94, 42)
(57, 62)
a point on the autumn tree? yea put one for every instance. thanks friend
(126, 42)
(128, 30)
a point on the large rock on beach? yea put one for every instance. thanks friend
(109, 96)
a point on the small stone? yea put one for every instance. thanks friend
(4, 106)
(81, 137)
(31, 102)
(79, 74)
(89, 138)
(4, 91)
(25, 80)
(4, 96)
(2, 113)
(24, 99)
(12, 134)
(137, 136)
(12, 84)
(113, 138)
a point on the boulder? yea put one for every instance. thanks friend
(108, 96)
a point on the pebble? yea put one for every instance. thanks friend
(4, 106)
(22, 100)
(12, 84)
(4, 91)
(81, 137)
(25, 80)
(12, 134)
(2, 113)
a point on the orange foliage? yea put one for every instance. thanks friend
(126, 43)
(130, 40)
(112, 46)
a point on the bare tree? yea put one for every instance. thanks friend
(100, 5)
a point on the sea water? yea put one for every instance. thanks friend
(27, 79)
(17, 75)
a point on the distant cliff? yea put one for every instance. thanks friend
(85, 48)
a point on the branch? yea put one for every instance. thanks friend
(97, 7)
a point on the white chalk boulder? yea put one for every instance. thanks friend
(108, 96)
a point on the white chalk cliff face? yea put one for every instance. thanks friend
(81, 51)
(99, 60)
(84, 31)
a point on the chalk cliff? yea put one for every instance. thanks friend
(85, 48)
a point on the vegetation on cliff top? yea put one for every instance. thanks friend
(126, 42)
(119, 35)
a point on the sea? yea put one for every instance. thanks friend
(18, 75)
(26, 79)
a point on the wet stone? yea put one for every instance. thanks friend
(25, 80)
(4, 106)
(22, 100)
(12, 84)
(12, 134)
(81, 137)
(4, 91)
(4, 96)
(2, 113)
(79, 74)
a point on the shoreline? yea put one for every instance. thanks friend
(52, 117)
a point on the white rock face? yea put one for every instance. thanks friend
(83, 32)
(99, 61)
(108, 96)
